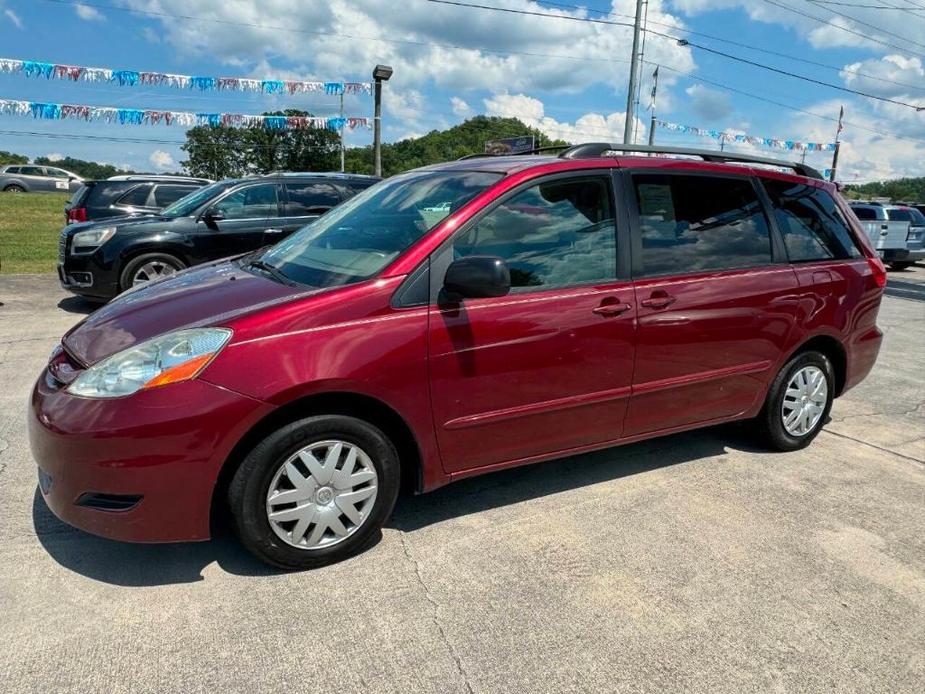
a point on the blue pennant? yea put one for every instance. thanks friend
(36, 69)
(275, 122)
(130, 116)
(40, 110)
(333, 87)
(273, 86)
(214, 119)
(203, 83)
(336, 123)
(125, 78)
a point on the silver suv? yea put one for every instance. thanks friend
(897, 231)
(30, 178)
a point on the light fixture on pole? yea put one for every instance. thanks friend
(381, 74)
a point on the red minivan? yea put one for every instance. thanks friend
(455, 320)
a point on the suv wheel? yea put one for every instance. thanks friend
(315, 491)
(901, 265)
(149, 267)
(798, 402)
(14, 189)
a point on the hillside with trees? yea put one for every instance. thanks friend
(83, 168)
(904, 189)
(11, 158)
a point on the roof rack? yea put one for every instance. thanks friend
(535, 150)
(598, 149)
(158, 177)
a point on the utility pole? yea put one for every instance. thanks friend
(342, 147)
(841, 112)
(380, 75)
(652, 107)
(634, 66)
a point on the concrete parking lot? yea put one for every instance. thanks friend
(690, 563)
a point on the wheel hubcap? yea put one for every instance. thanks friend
(322, 494)
(152, 271)
(804, 401)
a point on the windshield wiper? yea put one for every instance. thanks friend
(271, 270)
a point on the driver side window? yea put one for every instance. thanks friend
(552, 234)
(251, 202)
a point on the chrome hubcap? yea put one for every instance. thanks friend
(322, 494)
(152, 271)
(804, 400)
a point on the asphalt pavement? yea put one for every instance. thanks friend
(694, 563)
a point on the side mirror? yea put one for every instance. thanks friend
(211, 217)
(477, 277)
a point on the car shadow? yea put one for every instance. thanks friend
(134, 565)
(76, 304)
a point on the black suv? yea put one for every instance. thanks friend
(120, 196)
(227, 218)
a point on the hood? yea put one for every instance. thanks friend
(204, 295)
(122, 221)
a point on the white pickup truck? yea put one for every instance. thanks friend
(897, 232)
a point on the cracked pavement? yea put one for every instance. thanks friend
(693, 563)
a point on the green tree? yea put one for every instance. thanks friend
(218, 152)
(85, 169)
(904, 189)
(11, 158)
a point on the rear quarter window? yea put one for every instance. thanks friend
(810, 222)
(136, 197)
(695, 223)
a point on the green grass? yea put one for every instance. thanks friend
(29, 228)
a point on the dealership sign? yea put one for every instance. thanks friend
(510, 145)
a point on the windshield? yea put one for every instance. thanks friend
(360, 237)
(186, 205)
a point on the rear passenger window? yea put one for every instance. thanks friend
(136, 197)
(812, 226)
(864, 213)
(550, 235)
(167, 195)
(698, 223)
(307, 199)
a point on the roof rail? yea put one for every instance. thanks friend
(598, 149)
(535, 150)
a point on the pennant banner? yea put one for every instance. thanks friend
(134, 116)
(749, 139)
(131, 78)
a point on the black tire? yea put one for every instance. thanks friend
(770, 424)
(901, 264)
(128, 272)
(248, 490)
(14, 189)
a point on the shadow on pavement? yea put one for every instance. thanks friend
(127, 564)
(76, 304)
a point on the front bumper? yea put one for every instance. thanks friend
(141, 468)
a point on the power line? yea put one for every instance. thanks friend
(862, 6)
(875, 28)
(842, 28)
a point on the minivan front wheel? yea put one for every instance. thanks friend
(149, 267)
(315, 491)
(798, 402)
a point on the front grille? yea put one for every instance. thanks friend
(109, 502)
(62, 245)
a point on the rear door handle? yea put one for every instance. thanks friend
(611, 309)
(273, 231)
(660, 301)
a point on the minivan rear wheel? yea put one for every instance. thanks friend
(798, 402)
(315, 491)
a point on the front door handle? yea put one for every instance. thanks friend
(658, 300)
(611, 309)
(273, 231)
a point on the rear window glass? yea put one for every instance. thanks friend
(310, 198)
(899, 215)
(699, 223)
(12, 170)
(167, 195)
(864, 213)
(811, 224)
(136, 197)
(918, 219)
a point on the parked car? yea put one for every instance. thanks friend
(98, 260)
(31, 178)
(452, 321)
(896, 231)
(128, 196)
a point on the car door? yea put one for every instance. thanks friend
(303, 202)
(35, 179)
(238, 221)
(716, 298)
(547, 368)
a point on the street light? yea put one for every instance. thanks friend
(380, 74)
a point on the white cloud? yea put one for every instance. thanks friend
(162, 160)
(710, 105)
(54, 156)
(460, 107)
(87, 13)
(13, 17)
(891, 75)
(587, 128)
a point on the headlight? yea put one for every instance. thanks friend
(92, 239)
(176, 356)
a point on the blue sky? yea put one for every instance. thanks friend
(566, 77)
